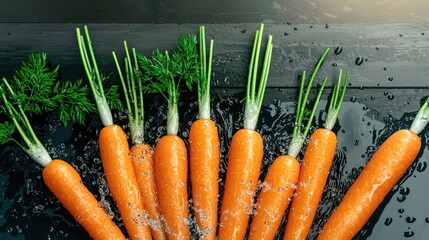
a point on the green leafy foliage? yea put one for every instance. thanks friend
(33, 84)
(72, 101)
(163, 72)
(113, 98)
(6, 131)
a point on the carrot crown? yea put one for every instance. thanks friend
(133, 92)
(35, 90)
(254, 99)
(421, 119)
(203, 82)
(299, 135)
(164, 73)
(336, 101)
(103, 99)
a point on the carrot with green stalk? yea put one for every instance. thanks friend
(35, 90)
(114, 151)
(318, 157)
(205, 152)
(141, 153)
(246, 151)
(280, 181)
(384, 169)
(165, 72)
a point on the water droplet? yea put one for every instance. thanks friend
(353, 99)
(388, 221)
(404, 191)
(408, 234)
(365, 108)
(410, 219)
(243, 31)
(377, 48)
(372, 97)
(359, 61)
(295, 28)
(338, 50)
(385, 68)
(334, 64)
(427, 219)
(286, 33)
(390, 78)
(423, 34)
(326, 26)
(385, 93)
(421, 166)
(390, 97)
(401, 198)
(401, 210)
(311, 26)
(400, 35)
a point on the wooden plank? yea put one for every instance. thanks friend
(393, 55)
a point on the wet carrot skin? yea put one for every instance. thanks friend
(142, 156)
(318, 157)
(382, 172)
(122, 181)
(66, 184)
(273, 200)
(204, 170)
(171, 169)
(244, 164)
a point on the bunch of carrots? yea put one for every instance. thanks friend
(149, 184)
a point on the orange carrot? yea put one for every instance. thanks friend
(381, 173)
(274, 198)
(171, 170)
(318, 157)
(204, 168)
(164, 72)
(204, 152)
(280, 182)
(64, 181)
(244, 164)
(246, 152)
(115, 151)
(60, 177)
(141, 154)
(122, 182)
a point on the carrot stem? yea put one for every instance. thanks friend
(203, 82)
(422, 118)
(133, 94)
(298, 135)
(336, 101)
(254, 98)
(93, 75)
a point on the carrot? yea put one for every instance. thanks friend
(205, 153)
(171, 171)
(246, 152)
(60, 177)
(163, 74)
(318, 157)
(141, 153)
(274, 197)
(279, 184)
(385, 168)
(65, 183)
(115, 152)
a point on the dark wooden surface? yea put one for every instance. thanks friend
(374, 108)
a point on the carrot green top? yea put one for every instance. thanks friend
(35, 89)
(336, 101)
(254, 99)
(164, 73)
(203, 81)
(103, 99)
(299, 135)
(133, 92)
(421, 119)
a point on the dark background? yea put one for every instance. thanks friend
(388, 39)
